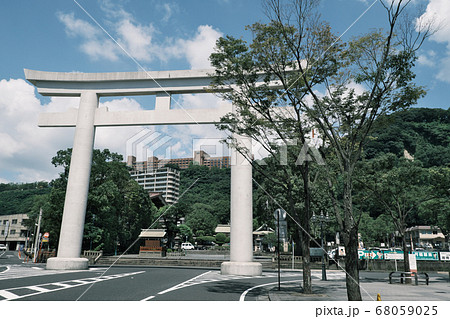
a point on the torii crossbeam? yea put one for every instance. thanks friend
(90, 87)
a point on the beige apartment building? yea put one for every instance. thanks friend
(13, 231)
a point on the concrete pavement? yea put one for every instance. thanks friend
(371, 284)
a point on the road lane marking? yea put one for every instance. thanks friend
(186, 283)
(61, 285)
(7, 269)
(37, 288)
(22, 271)
(8, 293)
(214, 276)
(242, 298)
(148, 298)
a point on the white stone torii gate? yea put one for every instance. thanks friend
(90, 87)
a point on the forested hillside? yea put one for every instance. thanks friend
(423, 132)
(19, 198)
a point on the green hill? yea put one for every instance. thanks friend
(423, 132)
(18, 198)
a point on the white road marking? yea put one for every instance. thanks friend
(242, 298)
(9, 294)
(148, 298)
(7, 269)
(37, 288)
(186, 283)
(21, 271)
(214, 276)
(60, 284)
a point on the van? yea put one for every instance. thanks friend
(187, 246)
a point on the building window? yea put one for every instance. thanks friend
(14, 221)
(12, 232)
(3, 232)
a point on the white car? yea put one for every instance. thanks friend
(187, 246)
(2, 247)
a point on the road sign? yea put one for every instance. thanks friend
(445, 255)
(393, 255)
(427, 255)
(370, 254)
(45, 237)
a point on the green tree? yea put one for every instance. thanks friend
(185, 232)
(400, 187)
(201, 218)
(298, 52)
(117, 209)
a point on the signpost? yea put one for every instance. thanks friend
(412, 262)
(279, 214)
(45, 237)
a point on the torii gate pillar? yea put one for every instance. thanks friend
(241, 235)
(72, 225)
(89, 87)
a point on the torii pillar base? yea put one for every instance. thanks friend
(241, 268)
(59, 263)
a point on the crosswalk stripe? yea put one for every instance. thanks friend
(7, 295)
(37, 288)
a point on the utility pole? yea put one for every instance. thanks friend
(36, 242)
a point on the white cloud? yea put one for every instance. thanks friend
(168, 10)
(27, 149)
(138, 40)
(427, 58)
(198, 49)
(94, 43)
(439, 11)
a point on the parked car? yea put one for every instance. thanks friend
(2, 247)
(187, 246)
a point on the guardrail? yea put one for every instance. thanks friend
(403, 275)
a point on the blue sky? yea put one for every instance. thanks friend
(52, 35)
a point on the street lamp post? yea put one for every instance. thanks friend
(321, 220)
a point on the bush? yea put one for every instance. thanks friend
(221, 239)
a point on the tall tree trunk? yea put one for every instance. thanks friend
(304, 244)
(306, 263)
(350, 241)
(406, 265)
(351, 265)
(305, 234)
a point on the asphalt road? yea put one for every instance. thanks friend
(31, 282)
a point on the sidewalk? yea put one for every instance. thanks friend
(371, 284)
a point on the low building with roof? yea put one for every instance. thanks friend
(154, 242)
(425, 237)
